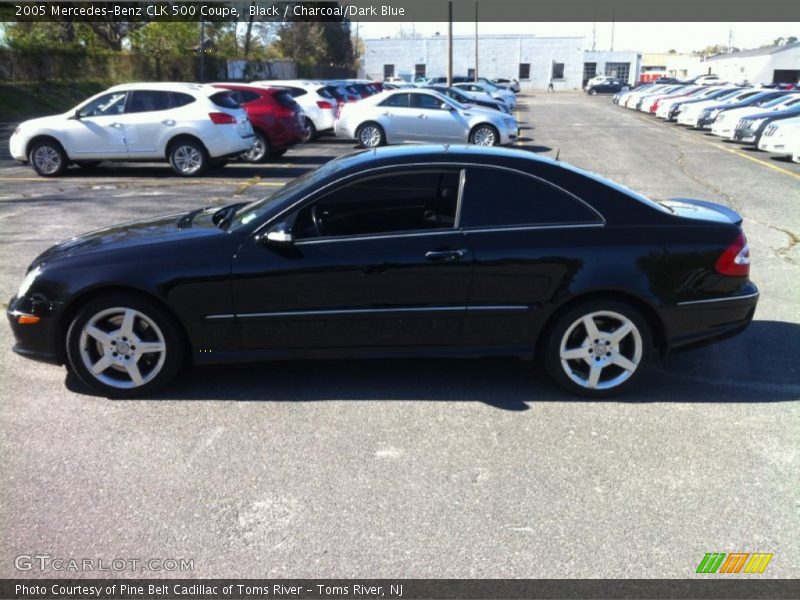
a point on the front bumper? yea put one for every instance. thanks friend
(705, 122)
(16, 146)
(700, 322)
(37, 340)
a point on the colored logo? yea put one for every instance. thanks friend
(734, 562)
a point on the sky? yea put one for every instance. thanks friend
(644, 37)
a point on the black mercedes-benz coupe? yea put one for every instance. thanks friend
(402, 251)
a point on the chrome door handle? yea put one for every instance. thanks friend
(387, 114)
(168, 122)
(422, 116)
(116, 125)
(445, 255)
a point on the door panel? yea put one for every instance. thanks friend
(359, 292)
(95, 137)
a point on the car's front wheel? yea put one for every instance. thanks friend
(599, 348)
(48, 158)
(188, 157)
(124, 345)
(593, 92)
(484, 135)
(370, 135)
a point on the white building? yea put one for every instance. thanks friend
(533, 60)
(775, 64)
(623, 64)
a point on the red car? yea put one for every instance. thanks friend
(278, 121)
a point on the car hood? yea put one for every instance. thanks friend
(45, 122)
(157, 230)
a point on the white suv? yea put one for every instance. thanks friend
(318, 104)
(192, 126)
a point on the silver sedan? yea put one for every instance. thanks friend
(407, 115)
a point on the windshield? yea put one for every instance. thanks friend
(776, 101)
(253, 212)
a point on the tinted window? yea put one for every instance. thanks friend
(243, 96)
(297, 92)
(225, 99)
(386, 203)
(107, 104)
(497, 198)
(181, 99)
(427, 101)
(148, 101)
(398, 100)
(285, 99)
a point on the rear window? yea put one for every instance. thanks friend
(224, 99)
(284, 98)
(325, 93)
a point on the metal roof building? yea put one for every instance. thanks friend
(774, 64)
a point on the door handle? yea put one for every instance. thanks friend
(387, 114)
(168, 122)
(445, 255)
(422, 116)
(116, 125)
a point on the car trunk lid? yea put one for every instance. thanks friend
(702, 210)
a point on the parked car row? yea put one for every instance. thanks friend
(766, 118)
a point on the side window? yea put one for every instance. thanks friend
(398, 101)
(427, 101)
(499, 198)
(181, 99)
(397, 202)
(148, 101)
(107, 104)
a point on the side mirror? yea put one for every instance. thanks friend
(76, 115)
(279, 235)
(445, 106)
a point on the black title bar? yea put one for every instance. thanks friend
(408, 10)
(746, 587)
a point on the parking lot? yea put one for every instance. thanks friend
(417, 468)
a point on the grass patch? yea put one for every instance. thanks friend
(24, 100)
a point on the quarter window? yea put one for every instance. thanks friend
(499, 198)
(398, 202)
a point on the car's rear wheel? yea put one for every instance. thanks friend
(48, 158)
(312, 131)
(593, 92)
(599, 348)
(188, 157)
(124, 345)
(259, 150)
(370, 135)
(484, 135)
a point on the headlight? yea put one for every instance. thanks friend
(713, 114)
(28, 281)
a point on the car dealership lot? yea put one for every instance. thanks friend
(418, 468)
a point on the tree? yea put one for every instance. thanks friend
(782, 41)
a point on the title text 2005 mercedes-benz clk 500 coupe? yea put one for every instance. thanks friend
(402, 251)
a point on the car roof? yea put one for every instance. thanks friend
(172, 86)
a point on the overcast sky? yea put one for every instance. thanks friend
(645, 37)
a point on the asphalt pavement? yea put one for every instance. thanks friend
(416, 468)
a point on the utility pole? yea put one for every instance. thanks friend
(450, 43)
(202, 51)
(476, 40)
(612, 30)
(594, 36)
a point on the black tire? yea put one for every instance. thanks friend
(219, 163)
(260, 150)
(151, 325)
(188, 157)
(370, 135)
(476, 136)
(88, 164)
(600, 353)
(278, 153)
(593, 92)
(312, 131)
(48, 158)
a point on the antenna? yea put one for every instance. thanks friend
(558, 153)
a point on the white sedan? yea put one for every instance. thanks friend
(781, 137)
(420, 115)
(481, 87)
(192, 126)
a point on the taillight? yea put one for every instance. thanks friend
(324, 104)
(735, 261)
(220, 118)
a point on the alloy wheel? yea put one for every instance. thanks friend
(484, 136)
(187, 159)
(47, 160)
(601, 350)
(370, 136)
(257, 151)
(122, 348)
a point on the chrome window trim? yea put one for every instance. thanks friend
(531, 227)
(726, 299)
(376, 236)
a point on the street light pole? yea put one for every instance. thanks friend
(476, 40)
(450, 43)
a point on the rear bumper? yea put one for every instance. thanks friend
(701, 322)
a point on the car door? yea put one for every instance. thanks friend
(435, 124)
(96, 131)
(530, 242)
(149, 120)
(374, 262)
(398, 118)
